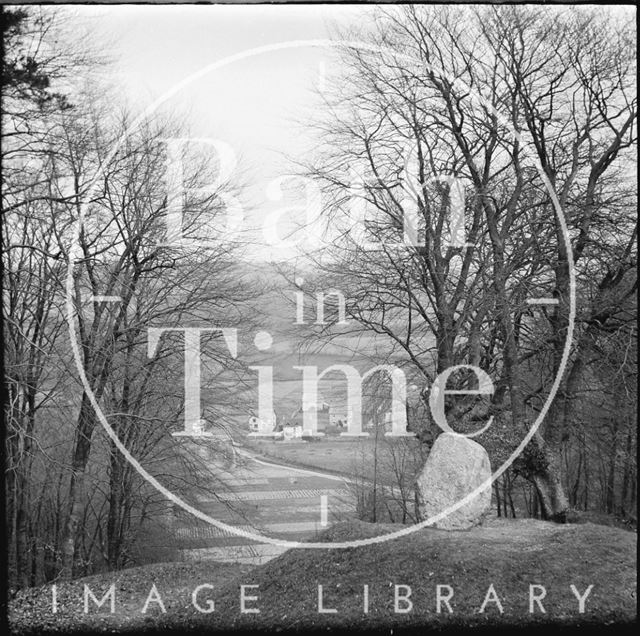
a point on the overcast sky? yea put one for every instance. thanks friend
(258, 104)
(255, 104)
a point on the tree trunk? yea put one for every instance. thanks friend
(611, 476)
(573, 500)
(496, 490)
(540, 464)
(86, 424)
(626, 474)
(550, 489)
(510, 495)
(22, 541)
(22, 477)
(115, 509)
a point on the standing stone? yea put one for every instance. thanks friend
(455, 467)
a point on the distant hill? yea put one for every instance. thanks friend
(297, 345)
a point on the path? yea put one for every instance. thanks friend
(273, 499)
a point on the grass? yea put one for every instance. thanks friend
(31, 610)
(337, 457)
(510, 554)
(345, 457)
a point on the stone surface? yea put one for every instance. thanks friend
(455, 467)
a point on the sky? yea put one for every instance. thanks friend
(257, 105)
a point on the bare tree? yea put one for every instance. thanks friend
(440, 98)
(33, 70)
(73, 197)
(123, 252)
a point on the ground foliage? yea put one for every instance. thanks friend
(510, 554)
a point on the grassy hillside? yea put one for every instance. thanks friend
(510, 555)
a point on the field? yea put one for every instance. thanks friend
(347, 457)
(339, 457)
